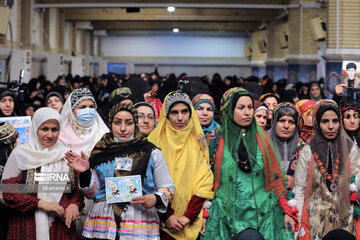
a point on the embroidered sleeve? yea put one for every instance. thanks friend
(164, 184)
(92, 189)
(22, 202)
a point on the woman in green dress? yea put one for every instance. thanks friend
(249, 184)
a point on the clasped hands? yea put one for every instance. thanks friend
(70, 214)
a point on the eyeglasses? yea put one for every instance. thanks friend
(150, 117)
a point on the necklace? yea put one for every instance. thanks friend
(330, 177)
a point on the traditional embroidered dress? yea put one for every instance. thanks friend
(104, 220)
(323, 176)
(187, 156)
(212, 131)
(248, 180)
(27, 221)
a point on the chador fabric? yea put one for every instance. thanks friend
(306, 107)
(75, 135)
(286, 148)
(325, 180)
(246, 199)
(187, 157)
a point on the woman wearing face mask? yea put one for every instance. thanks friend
(327, 177)
(139, 218)
(205, 109)
(351, 121)
(81, 129)
(249, 183)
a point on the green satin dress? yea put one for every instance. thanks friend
(241, 202)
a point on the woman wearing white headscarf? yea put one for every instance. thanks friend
(39, 212)
(81, 128)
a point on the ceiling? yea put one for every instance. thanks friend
(116, 16)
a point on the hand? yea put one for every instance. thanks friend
(339, 89)
(71, 214)
(51, 207)
(147, 201)
(291, 181)
(173, 224)
(184, 221)
(291, 221)
(202, 231)
(77, 162)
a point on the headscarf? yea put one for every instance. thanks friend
(33, 155)
(267, 95)
(201, 98)
(140, 104)
(56, 94)
(123, 93)
(75, 135)
(254, 136)
(4, 93)
(354, 135)
(8, 137)
(321, 96)
(187, 157)
(138, 148)
(339, 149)
(286, 149)
(260, 106)
(306, 106)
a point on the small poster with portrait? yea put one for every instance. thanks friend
(350, 69)
(123, 189)
(123, 164)
(22, 125)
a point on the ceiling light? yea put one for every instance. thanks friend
(175, 30)
(171, 9)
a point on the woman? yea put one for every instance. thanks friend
(271, 101)
(306, 107)
(151, 98)
(285, 133)
(7, 105)
(138, 219)
(205, 109)
(248, 179)
(55, 101)
(81, 129)
(260, 113)
(325, 187)
(42, 214)
(147, 119)
(8, 138)
(81, 126)
(315, 92)
(351, 121)
(181, 139)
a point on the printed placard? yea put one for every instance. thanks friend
(22, 126)
(124, 164)
(123, 189)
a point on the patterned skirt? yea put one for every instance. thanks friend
(136, 223)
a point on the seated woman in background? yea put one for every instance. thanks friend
(43, 214)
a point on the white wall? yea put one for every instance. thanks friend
(173, 46)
